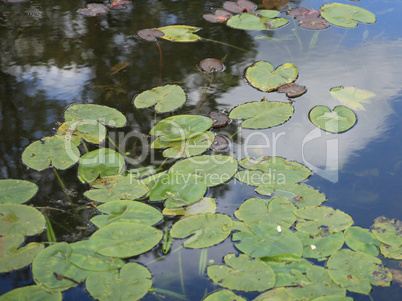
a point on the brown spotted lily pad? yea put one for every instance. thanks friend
(150, 34)
(220, 143)
(241, 6)
(309, 19)
(275, 4)
(219, 118)
(292, 89)
(93, 10)
(220, 16)
(210, 65)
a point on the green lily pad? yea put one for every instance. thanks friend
(357, 271)
(56, 259)
(339, 120)
(352, 97)
(116, 188)
(223, 295)
(20, 219)
(362, 240)
(132, 282)
(389, 233)
(259, 20)
(180, 33)
(185, 148)
(242, 273)
(268, 240)
(167, 98)
(278, 211)
(333, 298)
(315, 218)
(180, 127)
(122, 239)
(266, 171)
(205, 205)
(205, 229)
(262, 114)
(56, 151)
(345, 15)
(12, 257)
(262, 75)
(276, 294)
(84, 256)
(89, 130)
(16, 191)
(30, 293)
(127, 211)
(101, 162)
(214, 170)
(320, 245)
(178, 189)
(95, 113)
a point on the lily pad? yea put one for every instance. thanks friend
(313, 23)
(275, 4)
(213, 170)
(345, 15)
(178, 189)
(219, 119)
(357, 271)
(150, 34)
(20, 219)
(258, 20)
(180, 127)
(180, 33)
(55, 151)
(362, 240)
(185, 148)
(93, 10)
(223, 295)
(205, 205)
(116, 188)
(95, 113)
(167, 98)
(339, 120)
(220, 143)
(242, 273)
(132, 282)
(89, 130)
(205, 229)
(315, 218)
(240, 6)
(16, 191)
(262, 75)
(321, 245)
(262, 114)
(292, 89)
(101, 162)
(122, 239)
(219, 16)
(268, 240)
(389, 232)
(53, 260)
(276, 294)
(278, 211)
(352, 97)
(210, 65)
(30, 293)
(126, 211)
(12, 257)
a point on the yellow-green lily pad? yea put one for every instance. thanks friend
(339, 120)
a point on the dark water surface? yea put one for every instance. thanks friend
(51, 57)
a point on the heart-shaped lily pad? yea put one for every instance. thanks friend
(240, 6)
(262, 114)
(352, 97)
(16, 191)
(223, 295)
(242, 273)
(292, 89)
(258, 20)
(262, 75)
(219, 16)
(339, 120)
(205, 205)
(20, 219)
(150, 34)
(211, 65)
(390, 234)
(91, 131)
(321, 245)
(32, 293)
(205, 229)
(180, 33)
(345, 15)
(167, 98)
(362, 240)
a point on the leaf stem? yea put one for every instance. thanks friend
(62, 184)
(160, 62)
(226, 44)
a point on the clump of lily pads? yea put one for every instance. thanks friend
(308, 19)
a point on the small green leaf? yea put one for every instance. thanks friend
(260, 20)
(91, 113)
(20, 219)
(362, 240)
(16, 191)
(352, 97)
(339, 120)
(180, 33)
(30, 293)
(345, 15)
(223, 295)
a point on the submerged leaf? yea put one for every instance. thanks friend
(180, 33)
(93, 10)
(345, 15)
(337, 121)
(16, 191)
(352, 97)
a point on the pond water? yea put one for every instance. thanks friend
(53, 57)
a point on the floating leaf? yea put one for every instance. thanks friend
(262, 75)
(240, 6)
(180, 33)
(213, 170)
(116, 188)
(258, 20)
(278, 211)
(93, 10)
(219, 144)
(101, 162)
(292, 89)
(211, 65)
(126, 211)
(356, 271)
(361, 240)
(53, 260)
(150, 34)
(313, 23)
(277, 294)
(309, 19)
(20, 219)
(89, 130)
(178, 189)
(16, 191)
(321, 245)
(390, 234)
(132, 282)
(55, 151)
(242, 273)
(180, 127)
(30, 293)
(345, 15)
(95, 113)
(339, 120)
(167, 98)
(223, 295)
(205, 229)
(318, 217)
(122, 239)
(219, 16)
(205, 205)
(219, 119)
(185, 148)
(352, 97)
(278, 4)
(118, 67)
(12, 257)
